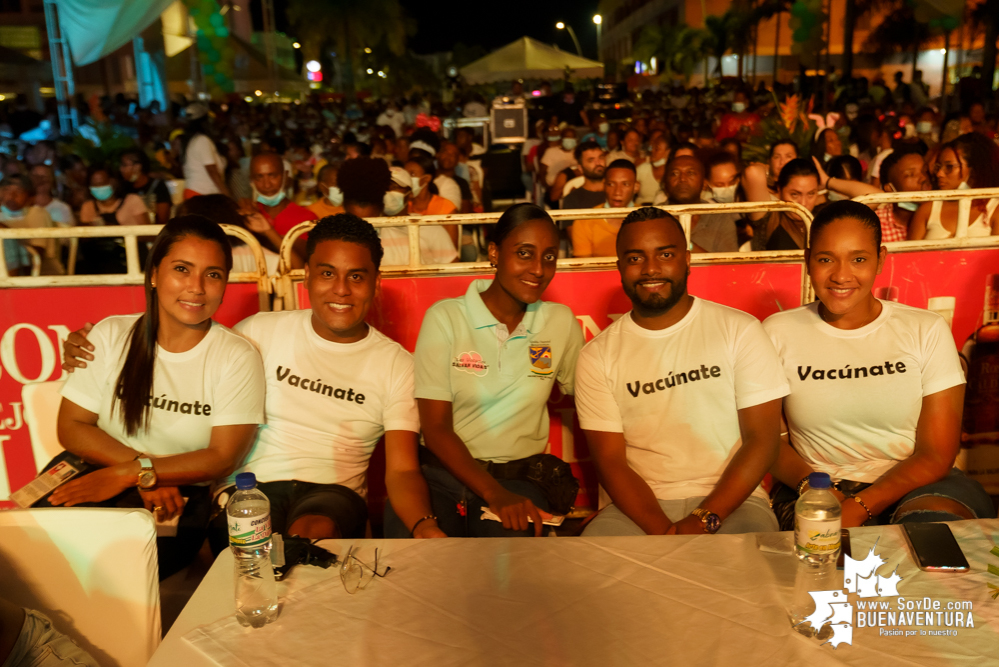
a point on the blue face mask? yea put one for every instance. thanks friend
(102, 192)
(461, 171)
(8, 213)
(272, 200)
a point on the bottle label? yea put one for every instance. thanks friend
(249, 531)
(816, 537)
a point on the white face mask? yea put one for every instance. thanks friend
(394, 202)
(738, 107)
(417, 187)
(964, 186)
(835, 196)
(658, 163)
(569, 143)
(334, 195)
(826, 157)
(603, 128)
(924, 127)
(724, 195)
(908, 205)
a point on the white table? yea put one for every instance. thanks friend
(704, 600)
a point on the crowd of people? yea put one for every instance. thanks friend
(278, 165)
(686, 404)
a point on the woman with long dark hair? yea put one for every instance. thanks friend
(486, 365)
(970, 161)
(877, 389)
(782, 230)
(171, 399)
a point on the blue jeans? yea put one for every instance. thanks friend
(752, 516)
(41, 645)
(459, 511)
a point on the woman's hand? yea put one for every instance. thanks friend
(165, 502)
(428, 529)
(75, 349)
(513, 510)
(689, 525)
(96, 486)
(853, 514)
(256, 222)
(823, 176)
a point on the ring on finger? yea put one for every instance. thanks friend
(157, 508)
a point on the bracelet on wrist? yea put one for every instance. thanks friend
(412, 531)
(864, 505)
(801, 485)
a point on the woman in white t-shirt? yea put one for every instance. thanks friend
(204, 168)
(877, 389)
(170, 400)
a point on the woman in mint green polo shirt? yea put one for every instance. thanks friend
(486, 365)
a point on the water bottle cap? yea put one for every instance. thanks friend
(247, 480)
(816, 480)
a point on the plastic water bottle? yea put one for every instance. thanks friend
(249, 518)
(817, 521)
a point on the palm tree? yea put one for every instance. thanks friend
(854, 10)
(350, 27)
(677, 49)
(987, 13)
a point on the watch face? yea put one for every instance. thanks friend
(147, 479)
(712, 523)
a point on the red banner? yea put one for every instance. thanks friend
(33, 324)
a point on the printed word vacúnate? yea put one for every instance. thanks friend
(671, 380)
(318, 387)
(196, 408)
(847, 373)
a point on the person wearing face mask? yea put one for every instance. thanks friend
(18, 212)
(596, 238)
(970, 161)
(650, 173)
(268, 177)
(740, 122)
(437, 245)
(560, 155)
(599, 127)
(134, 170)
(331, 202)
(926, 128)
(684, 183)
(902, 171)
(781, 230)
(722, 178)
(109, 205)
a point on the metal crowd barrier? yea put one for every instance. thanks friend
(960, 238)
(135, 272)
(287, 277)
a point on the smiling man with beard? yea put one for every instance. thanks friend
(679, 399)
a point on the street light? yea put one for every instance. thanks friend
(572, 33)
(313, 66)
(599, 20)
(296, 45)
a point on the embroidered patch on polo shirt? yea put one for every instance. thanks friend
(541, 359)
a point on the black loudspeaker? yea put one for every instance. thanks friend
(508, 119)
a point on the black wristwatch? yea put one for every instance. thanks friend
(712, 522)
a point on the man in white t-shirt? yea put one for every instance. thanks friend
(334, 387)
(679, 399)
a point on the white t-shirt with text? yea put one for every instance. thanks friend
(218, 382)
(856, 394)
(675, 393)
(328, 403)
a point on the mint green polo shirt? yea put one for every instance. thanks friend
(498, 382)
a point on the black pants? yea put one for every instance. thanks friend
(174, 553)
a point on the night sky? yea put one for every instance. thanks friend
(443, 23)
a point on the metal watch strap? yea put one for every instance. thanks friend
(146, 466)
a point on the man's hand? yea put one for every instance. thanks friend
(96, 486)
(690, 525)
(165, 502)
(513, 510)
(74, 349)
(256, 222)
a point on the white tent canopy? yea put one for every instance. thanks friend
(529, 59)
(95, 28)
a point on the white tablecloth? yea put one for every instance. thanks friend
(704, 600)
